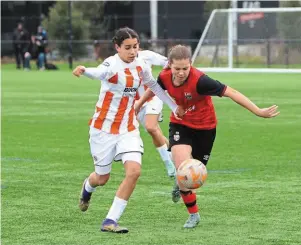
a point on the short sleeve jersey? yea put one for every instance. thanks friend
(195, 96)
(114, 111)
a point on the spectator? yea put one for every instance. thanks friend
(21, 44)
(40, 41)
(29, 54)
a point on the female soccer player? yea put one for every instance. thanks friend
(150, 112)
(193, 136)
(114, 133)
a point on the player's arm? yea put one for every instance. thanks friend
(245, 102)
(156, 89)
(209, 86)
(99, 72)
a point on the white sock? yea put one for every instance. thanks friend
(88, 187)
(165, 156)
(116, 209)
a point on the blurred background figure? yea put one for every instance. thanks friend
(21, 44)
(40, 41)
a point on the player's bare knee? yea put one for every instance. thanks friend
(133, 174)
(152, 129)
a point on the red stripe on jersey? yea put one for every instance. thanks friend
(104, 110)
(114, 79)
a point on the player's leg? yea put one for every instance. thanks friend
(129, 150)
(179, 136)
(201, 148)
(103, 150)
(202, 144)
(181, 147)
(125, 190)
(160, 142)
(181, 153)
(150, 122)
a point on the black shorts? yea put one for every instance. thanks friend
(201, 141)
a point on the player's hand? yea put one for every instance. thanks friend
(179, 113)
(268, 112)
(137, 106)
(78, 71)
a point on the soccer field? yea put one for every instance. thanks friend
(252, 194)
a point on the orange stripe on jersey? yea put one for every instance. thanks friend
(139, 70)
(120, 113)
(129, 78)
(114, 79)
(104, 110)
(123, 103)
(131, 126)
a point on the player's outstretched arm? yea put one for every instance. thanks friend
(244, 101)
(90, 72)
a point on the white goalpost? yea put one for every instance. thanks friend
(251, 40)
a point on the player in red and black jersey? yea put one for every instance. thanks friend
(193, 136)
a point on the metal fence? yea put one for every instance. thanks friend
(248, 52)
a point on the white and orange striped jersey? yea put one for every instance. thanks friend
(120, 81)
(151, 59)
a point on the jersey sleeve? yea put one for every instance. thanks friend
(151, 83)
(101, 72)
(155, 58)
(160, 82)
(209, 86)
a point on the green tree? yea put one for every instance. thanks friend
(57, 27)
(92, 11)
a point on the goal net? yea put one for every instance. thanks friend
(251, 40)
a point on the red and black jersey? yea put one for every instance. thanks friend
(195, 96)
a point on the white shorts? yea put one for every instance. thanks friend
(106, 148)
(153, 107)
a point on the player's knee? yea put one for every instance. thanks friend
(134, 174)
(151, 128)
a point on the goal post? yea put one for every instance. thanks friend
(251, 40)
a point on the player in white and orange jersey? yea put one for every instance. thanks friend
(149, 114)
(114, 133)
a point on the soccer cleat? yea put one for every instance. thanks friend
(192, 221)
(175, 194)
(83, 202)
(171, 170)
(109, 225)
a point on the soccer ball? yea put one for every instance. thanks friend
(191, 174)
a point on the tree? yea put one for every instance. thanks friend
(92, 11)
(57, 27)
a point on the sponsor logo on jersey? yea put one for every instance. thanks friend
(129, 91)
(191, 108)
(188, 95)
(106, 64)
